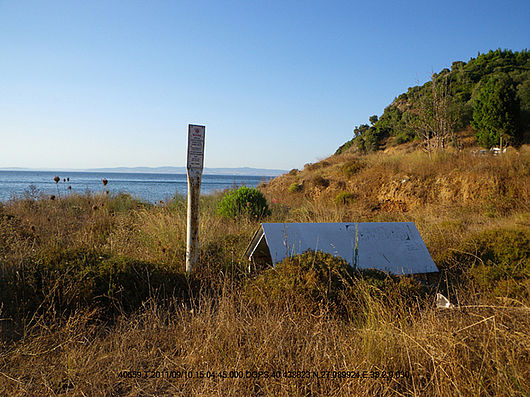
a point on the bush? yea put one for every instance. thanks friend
(388, 288)
(307, 279)
(295, 187)
(403, 137)
(351, 168)
(124, 202)
(66, 280)
(508, 246)
(244, 201)
(313, 280)
(505, 266)
(344, 198)
(497, 261)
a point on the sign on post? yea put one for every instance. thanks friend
(196, 147)
(194, 167)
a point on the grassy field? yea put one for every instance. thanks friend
(94, 299)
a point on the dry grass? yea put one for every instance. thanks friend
(411, 181)
(112, 296)
(470, 351)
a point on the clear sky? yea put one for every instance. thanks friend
(277, 83)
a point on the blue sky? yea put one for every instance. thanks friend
(277, 83)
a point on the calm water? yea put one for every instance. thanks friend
(149, 187)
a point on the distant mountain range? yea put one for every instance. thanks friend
(248, 171)
(182, 170)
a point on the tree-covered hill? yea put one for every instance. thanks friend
(490, 93)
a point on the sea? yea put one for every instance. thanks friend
(144, 186)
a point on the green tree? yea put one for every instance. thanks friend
(496, 112)
(360, 130)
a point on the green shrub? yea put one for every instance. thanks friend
(506, 280)
(65, 280)
(389, 287)
(497, 261)
(501, 246)
(496, 111)
(504, 269)
(504, 246)
(344, 198)
(313, 279)
(307, 279)
(295, 187)
(124, 202)
(351, 168)
(244, 201)
(403, 137)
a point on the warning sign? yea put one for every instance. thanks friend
(196, 146)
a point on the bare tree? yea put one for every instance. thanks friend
(436, 122)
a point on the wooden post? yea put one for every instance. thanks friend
(194, 167)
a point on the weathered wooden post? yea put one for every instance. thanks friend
(194, 166)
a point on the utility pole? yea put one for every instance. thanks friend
(194, 167)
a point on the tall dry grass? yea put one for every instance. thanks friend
(403, 182)
(230, 347)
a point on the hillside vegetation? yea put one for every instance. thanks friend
(467, 191)
(491, 93)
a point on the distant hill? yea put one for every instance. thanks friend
(247, 171)
(448, 101)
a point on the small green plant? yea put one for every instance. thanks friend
(295, 187)
(351, 168)
(244, 201)
(344, 198)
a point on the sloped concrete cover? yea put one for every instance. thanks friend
(394, 247)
